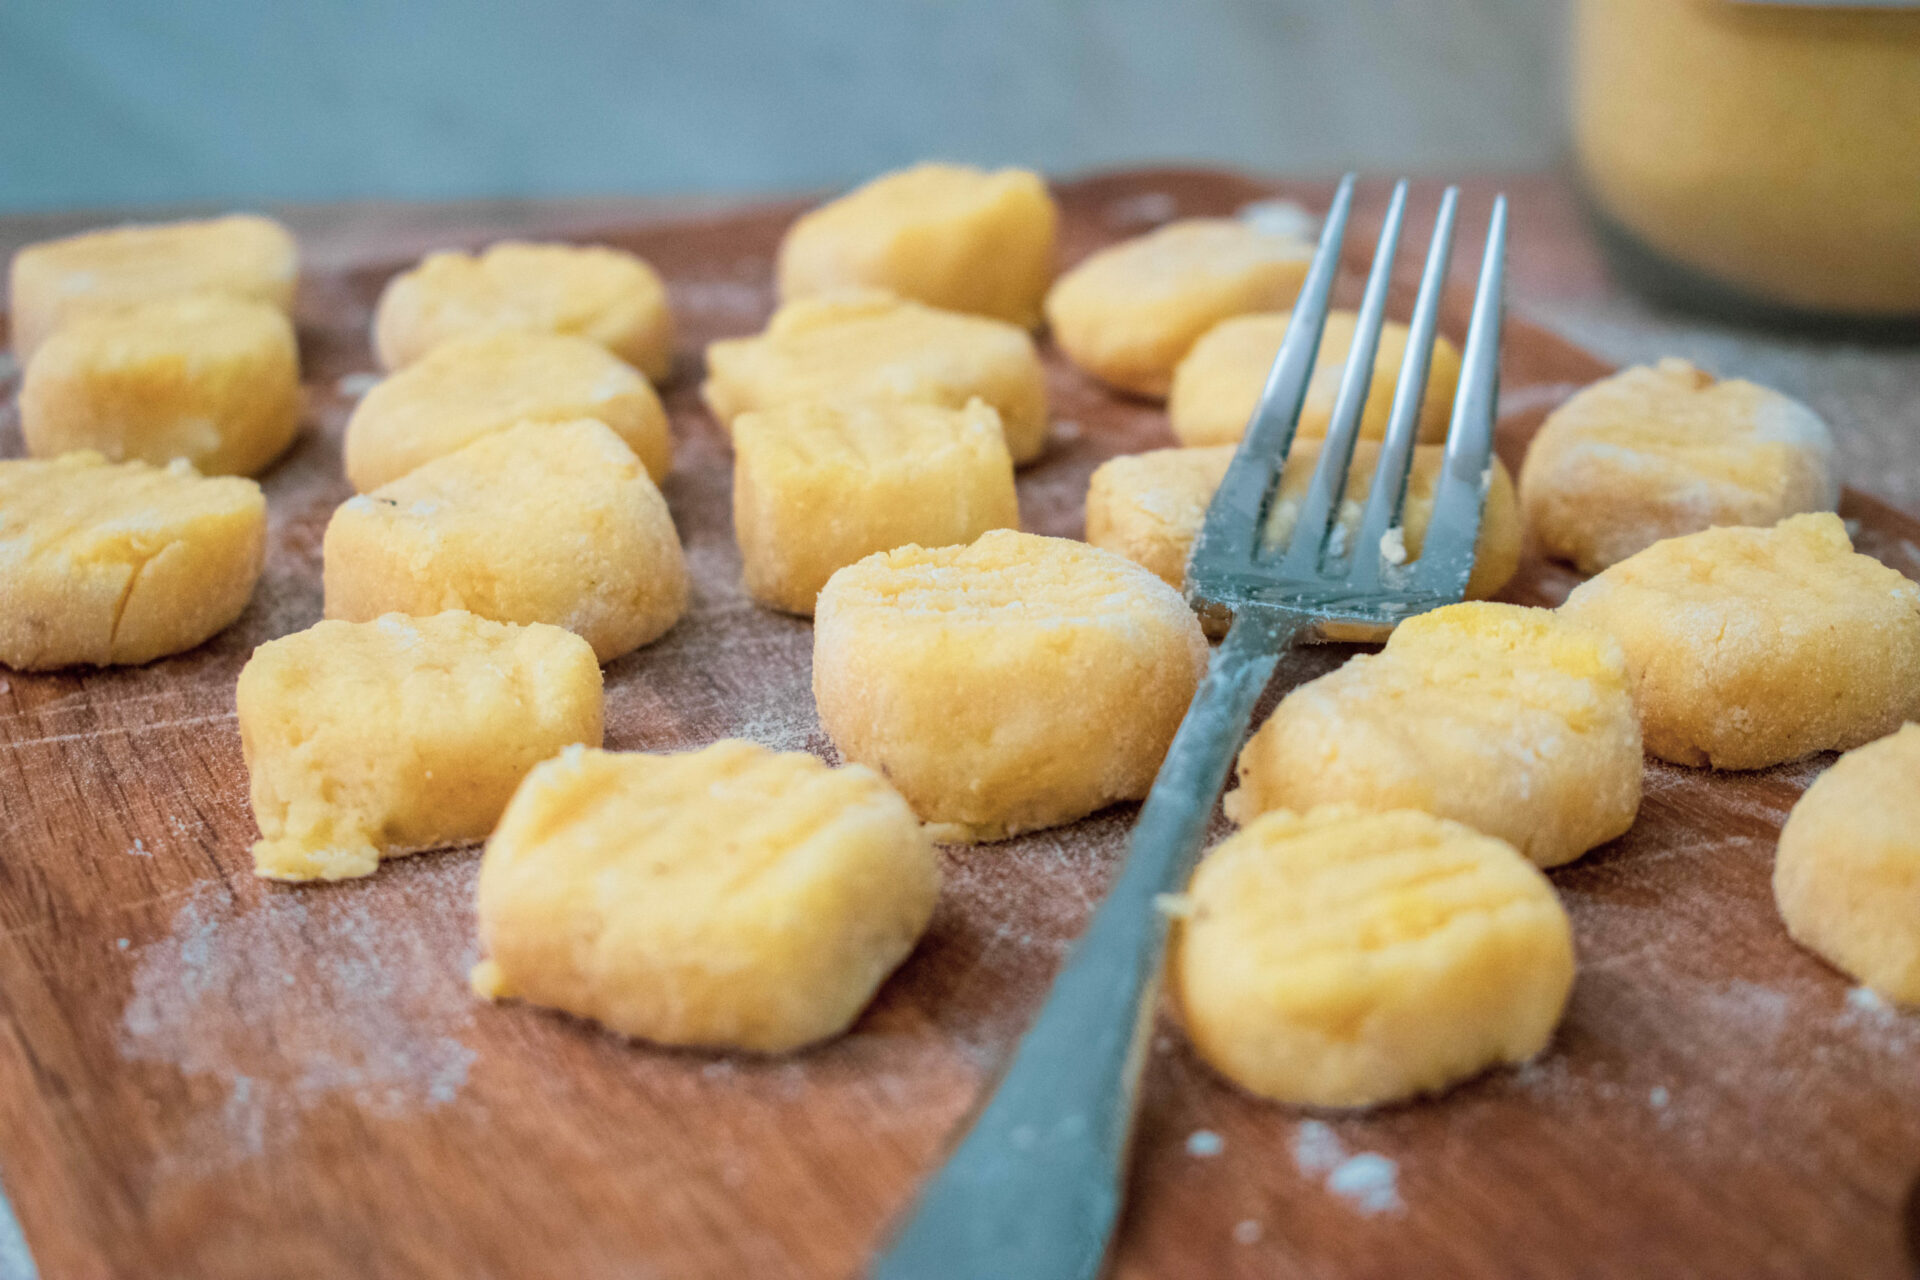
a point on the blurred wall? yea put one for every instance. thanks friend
(167, 101)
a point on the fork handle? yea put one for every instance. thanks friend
(1035, 1187)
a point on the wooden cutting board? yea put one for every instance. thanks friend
(204, 1075)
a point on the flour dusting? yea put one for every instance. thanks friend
(1369, 1182)
(310, 994)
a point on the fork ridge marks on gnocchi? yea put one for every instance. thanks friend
(603, 294)
(951, 236)
(870, 345)
(1017, 683)
(1664, 450)
(1752, 647)
(1342, 958)
(819, 485)
(205, 377)
(543, 522)
(1130, 313)
(1514, 721)
(104, 563)
(479, 383)
(366, 740)
(1218, 383)
(730, 898)
(241, 256)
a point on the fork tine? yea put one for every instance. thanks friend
(1315, 523)
(1396, 450)
(1237, 514)
(1446, 556)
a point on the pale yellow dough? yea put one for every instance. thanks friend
(104, 563)
(727, 898)
(243, 256)
(366, 740)
(1753, 647)
(1130, 313)
(1847, 878)
(819, 485)
(472, 386)
(948, 235)
(605, 295)
(1513, 721)
(1149, 507)
(205, 377)
(1017, 683)
(544, 522)
(1218, 384)
(870, 345)
(1657, 452)
(1351, 959)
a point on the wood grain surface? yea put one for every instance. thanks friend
(204, 1075)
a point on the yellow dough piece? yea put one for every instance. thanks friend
(104, 563)
(205, 377)
(1217, 386)
(817, 486)
(1657, 452)
(544, 522)
(728, 898)
(951, 236)
(1847, 879)
(1350, 959)
(244, 256)
(1513, 721)
(1753, 647)
(869, 345)
(605, 295)
(1017, 683)
(1149, 507)
(367, 740)
(472, 386)
(1130, 313)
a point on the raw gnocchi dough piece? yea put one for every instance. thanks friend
(727, 898)
(242, 255)
(1658, 452)
(1514, 721)
(543, 522)
(368, 740)
(870, 345)
(605, 295)
(208, 378)
(951, 236)
(1218, 384)
(104, 563)
(472, 386)
(1753, 647)
(818, 485)
(1342, 958)
(1149, 507)
(1017, 683)
(1130, 313)
(1847, 878)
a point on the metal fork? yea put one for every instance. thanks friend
(1033, 1191)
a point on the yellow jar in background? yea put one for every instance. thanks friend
(1771, 152)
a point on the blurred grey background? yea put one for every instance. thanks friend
(118, 102)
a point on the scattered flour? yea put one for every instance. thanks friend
(1149, 208)
(1659, 1097)
(1369, 1182)
(1248, 1231)
(306, 995)
(1202, 1143)
(355, 385)
(139, 849)
(1281, 218)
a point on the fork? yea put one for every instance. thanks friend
(1033, 1191)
